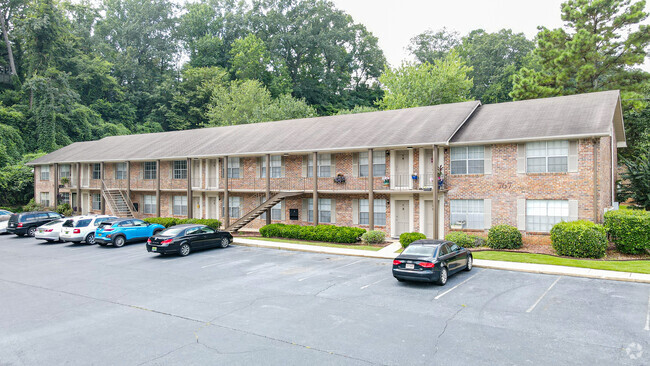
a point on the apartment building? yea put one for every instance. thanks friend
(462, 166)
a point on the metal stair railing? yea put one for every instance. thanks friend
(259, 210)
(119, 204)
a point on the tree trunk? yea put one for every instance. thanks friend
(5, 35)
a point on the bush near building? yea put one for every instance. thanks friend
(171, 221)
(373, 237)
(461, 239)
(328, 233)
(629, 230)
(504, 237)
(407, 238)
(580, 239)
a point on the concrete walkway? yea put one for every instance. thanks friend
(389, 253)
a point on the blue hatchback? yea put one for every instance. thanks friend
(121, 231)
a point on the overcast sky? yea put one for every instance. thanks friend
(394, 22)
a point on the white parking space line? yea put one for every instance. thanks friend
(215, 264)
(374, 283)
(544, 294)
(453, 288)
(333, 269)
(647, 316)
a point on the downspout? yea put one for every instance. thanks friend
(595, 173)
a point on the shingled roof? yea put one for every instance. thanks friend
(583, 115)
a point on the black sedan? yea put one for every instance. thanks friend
(183, 239)
(431, 261)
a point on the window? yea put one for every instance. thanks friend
(547, 157)
(276, 211)
(45, 199)
(120, 171)
(541, 215)
(180, 169)
(64, 171)
(468, 213)
(276, 167)
(64, 197)
(207, 230)
(150, 170)
(234, 203)
(233, 168)
(378, 164)
(97, 171)
(149, 203)
(45, 172)
(324, 166)
(97, 201)
(179, 206)
(324, 210)
(379, 209)
(83, 223)
(467, 159)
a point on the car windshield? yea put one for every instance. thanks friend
(172, 231)
(420, 250)
(105, 225)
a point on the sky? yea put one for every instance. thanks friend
(395, 22)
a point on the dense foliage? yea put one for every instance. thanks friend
(635, 183)
(373, 237)
(171, 221)
(504, 237)
(461, 238)
(581, 239)
(407, 238)
(328, 233)
(629, 229)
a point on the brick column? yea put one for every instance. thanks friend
(101, 176)
(315, 196)
(435, 192)
(157, 188)
(371, 194)
(190, 206)
(226, 204)
(268, 186)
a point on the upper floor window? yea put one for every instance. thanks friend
(120, 171)
(45, 172)
(468, 213)
(467, 160)
(547, 156)
(64, 171)
(150, 170)
(233, 168)
(541, 215)
(276, 167)
(180, 169)
(324, 166)
(378, 164)
(97, 171)
(379, 209)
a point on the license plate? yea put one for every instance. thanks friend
(410, 266)
(153, 249)
(66, 232)
(98, 234)
(40, 231)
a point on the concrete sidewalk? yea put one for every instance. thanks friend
(389, 253)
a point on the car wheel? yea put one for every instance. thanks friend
(185, 250)
(119, 241)
(31, 231)
(225, 242)
(443, 276)
(470, 263)
(90, 239)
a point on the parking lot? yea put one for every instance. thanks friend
(78, 304)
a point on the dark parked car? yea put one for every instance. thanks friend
(183, 239)
(431, 261)
(25, 223)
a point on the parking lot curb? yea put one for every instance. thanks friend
(501, 265)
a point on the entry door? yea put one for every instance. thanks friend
(402, 168)
(402, 217)
(196, 173)
(196, 203)
(212, 207)
(73, 203)
(428, 218)
(85, 203)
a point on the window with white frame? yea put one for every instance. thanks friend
(324, 166)
(276, 167)
(547, 156)
(64, 171)
(64, 197)
(467, 159)
(276, 211)
(149, 203)
(179, 207)
(541, 215)
(150, 170)
(96, 201)
(468, 213)
(233, 168)
(120, 171)
(234, 203)
(45, 199)
(45, 172)
(180, 169)
(379, 209)
(97, 171)
(324, 210)
(378, 163)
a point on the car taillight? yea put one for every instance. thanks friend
(148, 241)
(166, 241)
(76, 231)
(48, 230)
(397, 262)
(426, 265)
(108, 229)
(20, 224)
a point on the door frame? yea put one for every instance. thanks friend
(393, 169)
(393, 211)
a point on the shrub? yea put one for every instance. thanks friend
(581, 239)
(64, 209)
(479, 241)
(33, 206)
(629, 230)
(504, 237)
(328, 233)
(460, 238)
(164, 221)
(373, 237)
(407, 238)
(213, 223)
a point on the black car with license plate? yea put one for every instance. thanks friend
(186, 238)
(431, 261)
(25, 223)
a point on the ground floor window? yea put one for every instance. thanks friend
(45, 199)
(324, 210)
(276, 211)
(541, 215)
(234, 204)
(379, 210)
(468, 213)
(64, 198)
(97, 201)
(179, 206)
(149, 203)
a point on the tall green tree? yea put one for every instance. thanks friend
(432, 45)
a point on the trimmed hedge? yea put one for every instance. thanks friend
(504, 237)
(629, 230)
(407, 238)
(479, 241)
(171, 221)
(580, 239)
(461, 238)
(373, 237)
(328, 233)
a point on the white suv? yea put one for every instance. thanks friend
(82, 228)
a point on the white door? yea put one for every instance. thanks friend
(402, 178)
(402, 217)
(212, 174)
(196, 173)
(428, 219)
(427, 179)
(85, 203)
(212, 207)
(196, 203)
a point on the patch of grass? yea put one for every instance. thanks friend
(316, 243)
(641, 266)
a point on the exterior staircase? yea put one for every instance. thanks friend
(257, 211)
(118, 202)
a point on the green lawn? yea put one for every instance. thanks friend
(641, 266)
(317, 243)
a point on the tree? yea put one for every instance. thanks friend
(595, 52)
(495, 58)
(637, 131)
(431, 45)
(635, 182)
(17, 182)
(414, 85)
